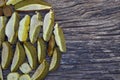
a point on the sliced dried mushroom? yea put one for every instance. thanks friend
(41, 71)
(1, 74)
(24, 28)
(32, 5)
(35, 26)
(19, 57)
(2, 3)
(41, 49)
(13, 2)
(13, 76)
(1, 12)
(51, 45)
(12, 28)
(48, 25)
(55, 61)
(60, 38)
(7, 10)
(7, 55)
(3, 21)
(31, 54)
(25, 68)
(25, 77)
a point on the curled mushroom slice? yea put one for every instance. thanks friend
(13, 2)
(55, 62)
(12, 28)
(13, 76)
(32, 5)
(51, 45)
(25, 68)
(25, 77)
(41, 71)
(2, 3)
(31, 54)
(24, 28)
(18, 58)
(7, 55)
(35, 26)
(59, 38)
(41, 49)
(7, 10)
(48, 25)
(3, 21)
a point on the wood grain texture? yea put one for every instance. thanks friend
(92, 31)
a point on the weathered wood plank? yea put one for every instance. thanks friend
(92, 32)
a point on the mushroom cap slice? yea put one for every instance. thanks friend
(60, 38)
(32, 5)
(19, 57)
(41, 71)
(24, 28)
(7, 55)
(31, 54)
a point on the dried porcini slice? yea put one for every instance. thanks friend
(25, 68)
(7, 10)
(41, 49)
(60, 38)
(35, 26)
(12, 28)
(48, 25)
(3, 21)
(41, 71)
(31, 53)
(13, 2)
(24, 28)
(51, 45)
(32, 5)
(7, 54)
(13, 76)
(18, 58)
(55, 61)
(25, 77)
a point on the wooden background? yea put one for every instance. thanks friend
(92, 31)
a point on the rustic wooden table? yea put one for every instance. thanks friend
(92, 31)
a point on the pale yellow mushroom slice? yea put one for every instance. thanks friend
(7, 55)
(51, 45)
(3, 21)
(55, 61)
(31, 53)
(1, 73)
(25, 77)
(48, 25)
(41, 49)
(60, 38)
(41, 71)
(13, 76)
(24, 28)
(12, 28)
(13, 2)
(19, 57)
(35, 27)
(32, 5)
(25, 68)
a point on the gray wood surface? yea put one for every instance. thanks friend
(92, 31)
